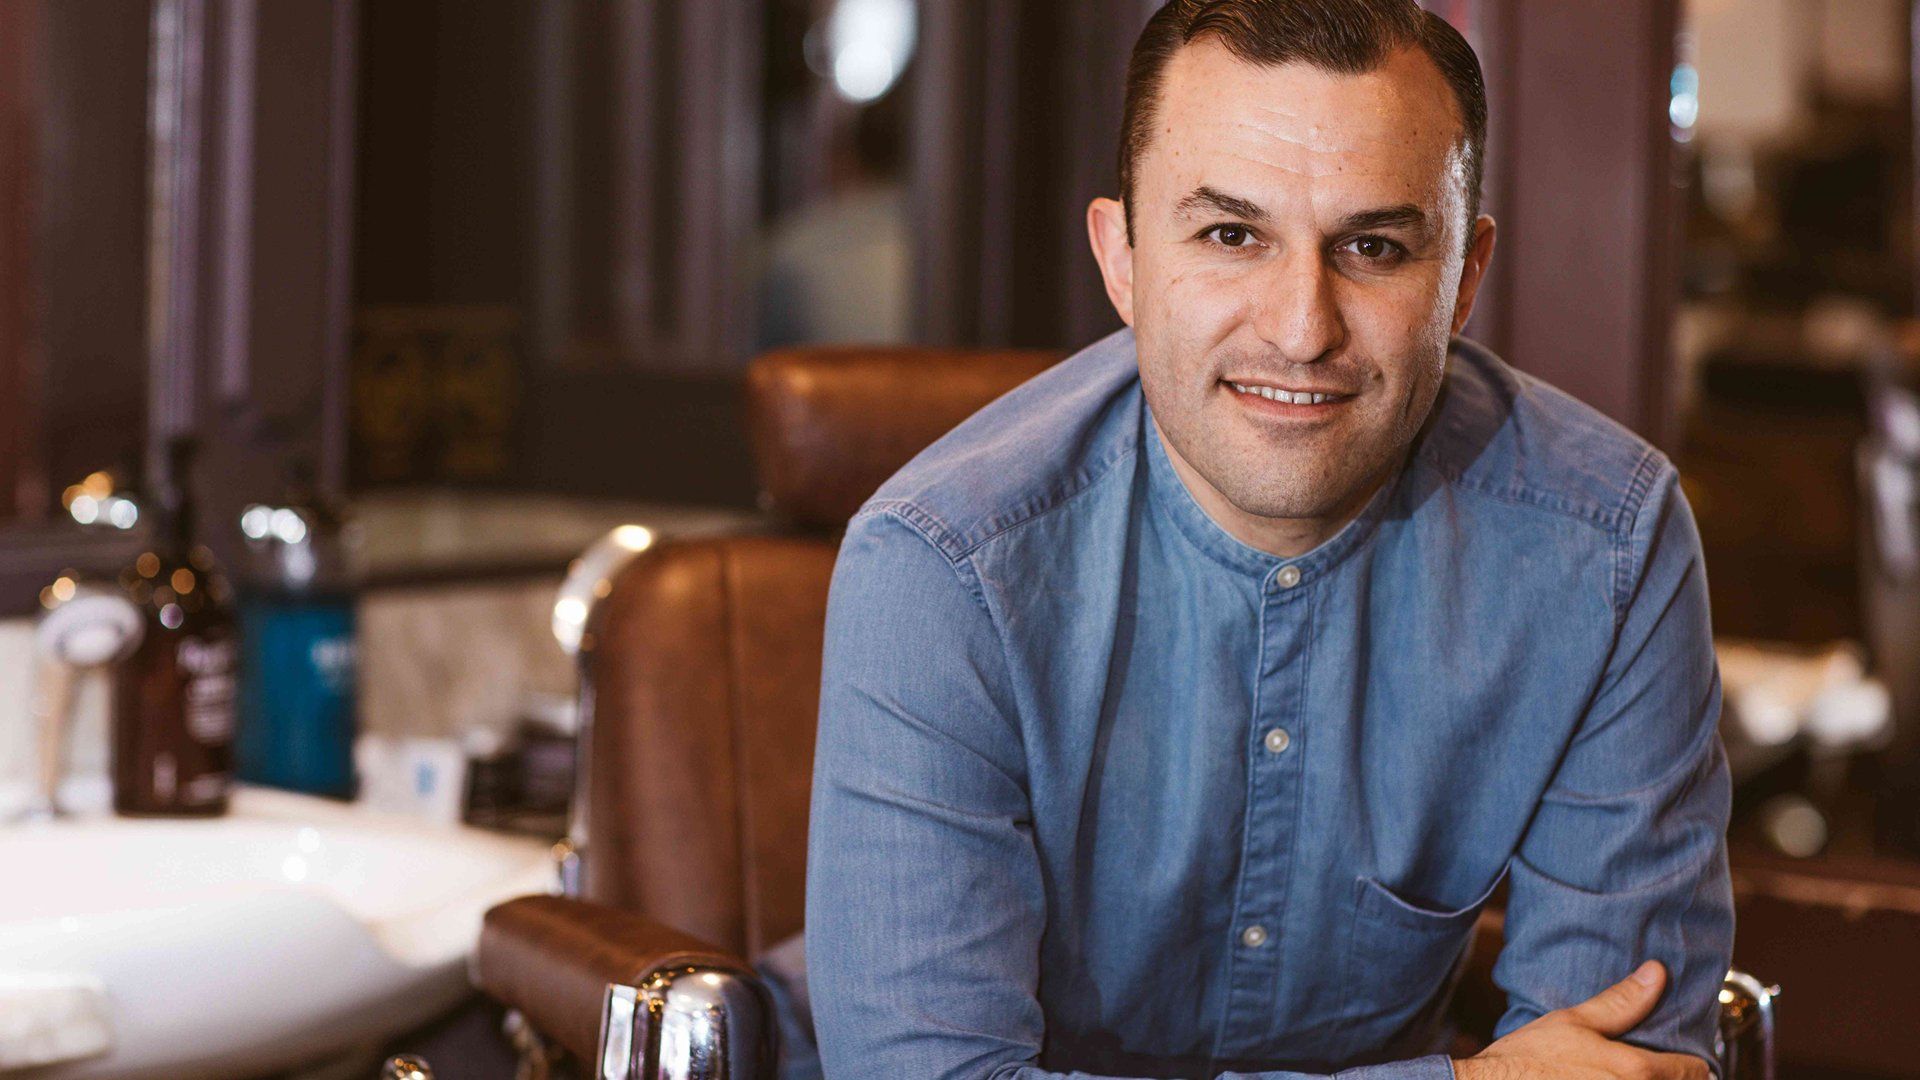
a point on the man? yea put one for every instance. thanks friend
(1182, 709)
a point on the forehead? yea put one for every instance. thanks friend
(1294, 129)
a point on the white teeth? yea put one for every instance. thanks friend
(1272, 393)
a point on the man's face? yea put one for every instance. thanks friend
(1296, 232)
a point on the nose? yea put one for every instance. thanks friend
(1296, 312)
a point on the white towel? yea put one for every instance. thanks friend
(47, 1018)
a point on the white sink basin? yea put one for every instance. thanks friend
(289, 931)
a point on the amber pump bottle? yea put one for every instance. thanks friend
(173, 710)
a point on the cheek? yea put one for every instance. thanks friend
(1179, 324)
(1398, 319)
(1195, 304)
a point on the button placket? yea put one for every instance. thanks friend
(1254, 969)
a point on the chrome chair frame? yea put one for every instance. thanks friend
(717, 1023)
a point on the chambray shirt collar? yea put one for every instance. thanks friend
(1168, 496)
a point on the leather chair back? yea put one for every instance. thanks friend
(702, 664)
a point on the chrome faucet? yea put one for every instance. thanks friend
(87, 627)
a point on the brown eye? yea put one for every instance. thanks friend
(1232, 236)
(1376, 249)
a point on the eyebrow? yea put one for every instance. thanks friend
(1404, 216)
(1204, 199)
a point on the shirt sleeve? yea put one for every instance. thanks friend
(1625, 860)
(925, 904)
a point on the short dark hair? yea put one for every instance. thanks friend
(1345, 36)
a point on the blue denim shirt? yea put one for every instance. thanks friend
(1102, 791)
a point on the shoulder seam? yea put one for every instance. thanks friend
(957, 547)
(930, 528)
(924, 525)
(1034, 509)
(1531, 498)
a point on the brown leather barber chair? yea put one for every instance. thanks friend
(700, 671)
(700, 666)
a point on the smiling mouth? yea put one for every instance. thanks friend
(1288, 397)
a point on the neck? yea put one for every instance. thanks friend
(1284, 537)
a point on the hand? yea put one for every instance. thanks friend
(1581, 1043)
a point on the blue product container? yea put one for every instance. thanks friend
(297, 663)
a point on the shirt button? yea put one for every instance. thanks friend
(1253, 936)
(1278, 740)
(1288, 577)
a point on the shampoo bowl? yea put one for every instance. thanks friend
(291, 931)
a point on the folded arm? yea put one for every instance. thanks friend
(1626, 859)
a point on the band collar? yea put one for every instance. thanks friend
(1168, 494)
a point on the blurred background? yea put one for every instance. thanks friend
(413, 301)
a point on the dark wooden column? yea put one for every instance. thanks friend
(1017, 127)
(73, 160)
(251, 113)
(1581, 179)
(686, 185)
(19, 329)
(86, 229)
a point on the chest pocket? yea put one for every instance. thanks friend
(1399, 959)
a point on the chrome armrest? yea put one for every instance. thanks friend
(688, 1022)
(1744, 1043)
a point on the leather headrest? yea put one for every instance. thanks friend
(829, 425)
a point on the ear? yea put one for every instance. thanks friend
(1107, 232)
(1474, 272)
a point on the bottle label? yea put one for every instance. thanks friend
(333, 662)
(209, 679)
(166, 776)
(207, 788)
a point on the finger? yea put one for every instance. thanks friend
(1613, 1012)
(1679, 1067)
